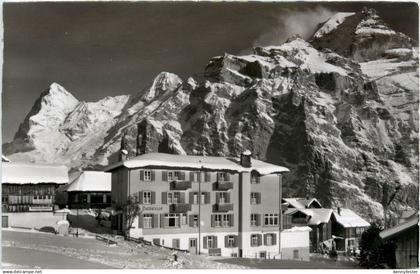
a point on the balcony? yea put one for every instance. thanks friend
(179, 208)
(180, 185)
(223, 185)
(222, 207)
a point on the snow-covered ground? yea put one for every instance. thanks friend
(23, 249)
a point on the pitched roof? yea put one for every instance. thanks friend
(198, 162)
(348, 218)
(28, 173)
(396, 230)
(5, 159)
(316, 215)
(300, 202)
(91, 181)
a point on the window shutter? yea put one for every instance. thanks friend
(258, 179)
(141, 197)
(155, 220)
(164, 197)
(235, 241)
(141, 175)
(227, 176)
(164, 176)
(258, 219)
(140, 216)
(162, 220)
(182, 197)
(231, 220)
(191, 220)
(198, 176)
(207, 177)
(227, 197)
(259, 239)
(207, 198)
(215, 241)
(265, 239)
(217, 197)
(274, 239)
(191, 197)
(153, 197)
(153, 175)
(191, 176)
(226, 241)
(205, 242)
(259, 198)
(212, 220)
(182, 175)
(250, 240)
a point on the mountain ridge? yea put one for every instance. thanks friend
(344, 124)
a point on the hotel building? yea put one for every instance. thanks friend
(207, 205)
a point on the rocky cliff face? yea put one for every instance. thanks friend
(343, 117)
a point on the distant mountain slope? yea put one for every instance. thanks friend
(342, 116)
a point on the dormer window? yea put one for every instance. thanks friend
(222, 177)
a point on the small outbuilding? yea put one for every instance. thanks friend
(91, 189)
(406, 237)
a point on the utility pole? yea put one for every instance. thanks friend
(280, 212)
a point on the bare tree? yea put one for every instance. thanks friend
(131, 210)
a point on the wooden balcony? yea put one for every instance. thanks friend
(222, 207)
(180, 185)
(223, 185)
(179, 208)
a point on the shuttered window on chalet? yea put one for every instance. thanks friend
(256, 239)
(172, 175)
(270, 239)
(231, 241)
(146, 197)
(210, 242)
(147, 175)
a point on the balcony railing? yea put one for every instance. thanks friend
(179, 208)
(222, 207)
(224, 185)
(180, 185)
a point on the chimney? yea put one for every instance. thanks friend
(339, 210)
(246, 158)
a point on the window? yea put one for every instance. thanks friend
(195, 198)
(271, 219)
(254, 198)
(226, 220)
(171, 220)
(147, 197)
(269, 239)
(195, 221)
(147, 175)
(254, 219)
(174, 175)
(203, 198)
(255, 179)
(147, 221)
(174, 198)
(217, 220)
(211, 243)
(254, 240)
(222, 220)
(223, 197)
(231, 241)
(296, 254)
(221, 176)
(184, 219)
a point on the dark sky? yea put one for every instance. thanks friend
(105, 49)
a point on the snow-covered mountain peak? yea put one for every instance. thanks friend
(332, 23)
(163, 83)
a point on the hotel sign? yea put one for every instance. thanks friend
(151, 208)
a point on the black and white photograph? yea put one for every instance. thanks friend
(210, 135)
